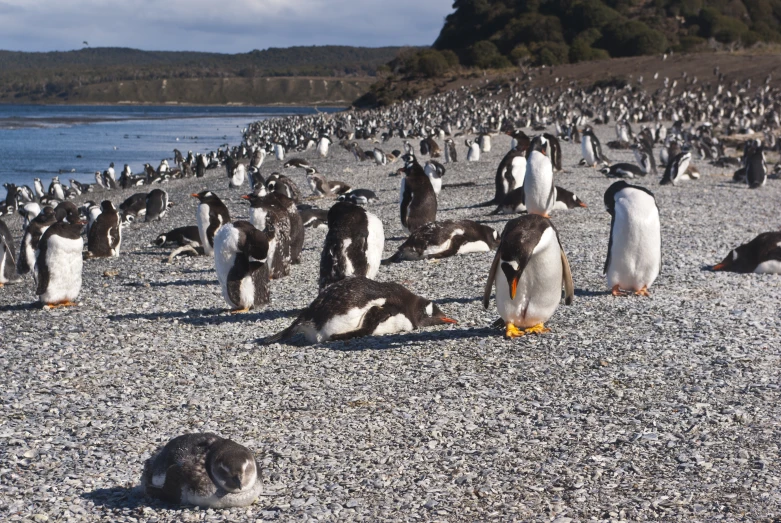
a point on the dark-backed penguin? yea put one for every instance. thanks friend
(134, 207)
(181, 236)
(418, 205)
(358, 306)
(485, 143)
(318, 183)
(38, 188)
(445, 239)
(58, 265)
(240, 255)
(237, 172)
(67, 212)
(7, 256)
(56, 190)
(298, 163)
(762, 255)
(634, 252)
(282, 184)
(676, 169)
(28, 211)
(554, 150)
(353, 245)
(644, 158)
(472, 151)
(514, 202)
(296, 222)
(529, 270)
(591, 148)
(211, 215)
(622, 170)
(539, 191)
(755, 165)
(313, 217)
(435, 171)
(359, 197)
(451, 154)
(203, 470)
(105, 235)
(509, 175)
(31, 238)
(156, 205)
(268, 216)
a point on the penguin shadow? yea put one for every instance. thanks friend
(703, 268)
(586, 293)
(118, 498)
(458, 300)
(16, 307)
(180, 283)
(211, 316)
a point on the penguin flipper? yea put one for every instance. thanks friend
(569, 285)
(491, 276)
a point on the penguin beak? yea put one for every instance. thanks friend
(720, 267)
(245, 196)
(514, 286)
(194, 195)
(582, 204)
(448, 320)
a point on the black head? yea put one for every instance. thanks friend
(569, 198)
(67, 212)
(427, 314)
(107, 206)
(539, 143)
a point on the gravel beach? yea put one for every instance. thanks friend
(639, 409)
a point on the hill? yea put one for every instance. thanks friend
(87, 75)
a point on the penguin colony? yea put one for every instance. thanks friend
(530, 273)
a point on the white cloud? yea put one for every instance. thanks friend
(217, 25)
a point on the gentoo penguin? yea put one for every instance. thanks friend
(282, 184)
(761, 255)
(156, 205)
(58, 264)
(451, 154)
(237, 174)
(445, 239)
(279, 151)
(204, 470)
(509, 175)
(539, 191)
(359, 306)
(554, 150)
(529, 269)
(211, 215)
(622, 170)
(38, 188)
(514, 201)
(380, 158)
(105, 235)
(182, 236)
(296, 222)
(485, 143)
(7, 257)
(240, 254)
(473, 151)
(92, 210)
(299, 163)
(755, 166)
(353, 245)
(323, 146)
(318, 183)
(418, 205)
(591, 148)
(644, 157)
(55, 189)
(313, 217)
(358, 197)
(634, 251)
(28, 211)
(268, 216)
(134, 206)
(435, 171)
(31, 238)
(676, 169)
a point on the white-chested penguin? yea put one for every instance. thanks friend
(28, 211)
(237, 172)
(55, 189)
(634, 252)
(435, 171)
(622, 170)
(755, 165)
(762, 255)
(473, 151)
(676, 169)
(156, 205)
(509, 175)
(529, 269)
(358, 306)
(240, 255)
(451, 154)
(211, 215)
(353, 245)
(539, 191)
(31, 238)
(7, 256)
(105, 235)
(272, 218)
(38, 188)
(296, 220)
(445, 239)
(323, 145)
(591, 148)
(58, 265)
(418, 204)
(203, 470)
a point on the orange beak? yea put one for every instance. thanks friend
(449, 320)
(514, 287)
(245, 196)
(581, 204)
(194, 195)
(719, 267)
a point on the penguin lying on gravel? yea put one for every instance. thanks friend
(358, 306)
(182, 236)
(513, 202)
(313, 217)
(444, 239)
(761, 255)
(204, 470)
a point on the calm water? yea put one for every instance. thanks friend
(40, 141)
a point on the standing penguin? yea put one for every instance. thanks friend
(435, 171)
(268, 216)
(418, 205)
(676, 169)
(554, 151)
(451, 154)
(211, 215)
(105, 234)
(55, 189)
(473, 151)
(539, 191)
(323, 146)
(533, 270)
(485, 143)
(58, 265)
(634, 251)
(353, 245)
(756, 168)
(591, 148)
(156, 205)
(38, 188)
(244, 282)
(7, 258)
(31, 238)
(509, 175)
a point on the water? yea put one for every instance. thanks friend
(75, 141)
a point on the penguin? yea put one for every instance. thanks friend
(7, 257)
(435, 171)
(67, 212)
(418, 203)
(451, 154)
(591, 148)
(554, 150)
(358, 306)
(282, 184)
(323, 146)
(485, 143)
(211, 215)
(529, 269)
(313, 217)
(296, 223)
(240, 255)
(755, 166)
(634, 252)
(182, 236)
(297, 163)
(676, 169)
(38, 188)
(203, 470)
(380, 158)
(31, 238)
(353, 245)
(58, 265)
(539, 191)
(93, 211)
(762, 255)
(105, 235)
(566, 200)
(509, 175)
(28, 211)
(433, 147)
(134, 206)
(268, 216)
(109, 179)
(473, 151)
(156, 205)
(279, 151)
(444, 239)
(644, 157)
(318, 183)
(237, 175)
(56, 190)
(513, 202)
(622, 170)
(358, 197)
(520, 141)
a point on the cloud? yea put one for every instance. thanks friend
(228, 26)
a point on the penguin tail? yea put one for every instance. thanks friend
(486, 204)
(393, 259)
(281, 335)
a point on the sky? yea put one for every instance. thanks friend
(226, 26)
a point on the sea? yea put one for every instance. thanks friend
(74, 141)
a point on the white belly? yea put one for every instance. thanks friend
(769, 267)
(588, 151)
(518, 170)
(470, 247)
(538, 184)
(257, 217)
(397, 323)
(375, 244)
(64, 260)
(342, 323)
(635, 257)
(203, 223)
